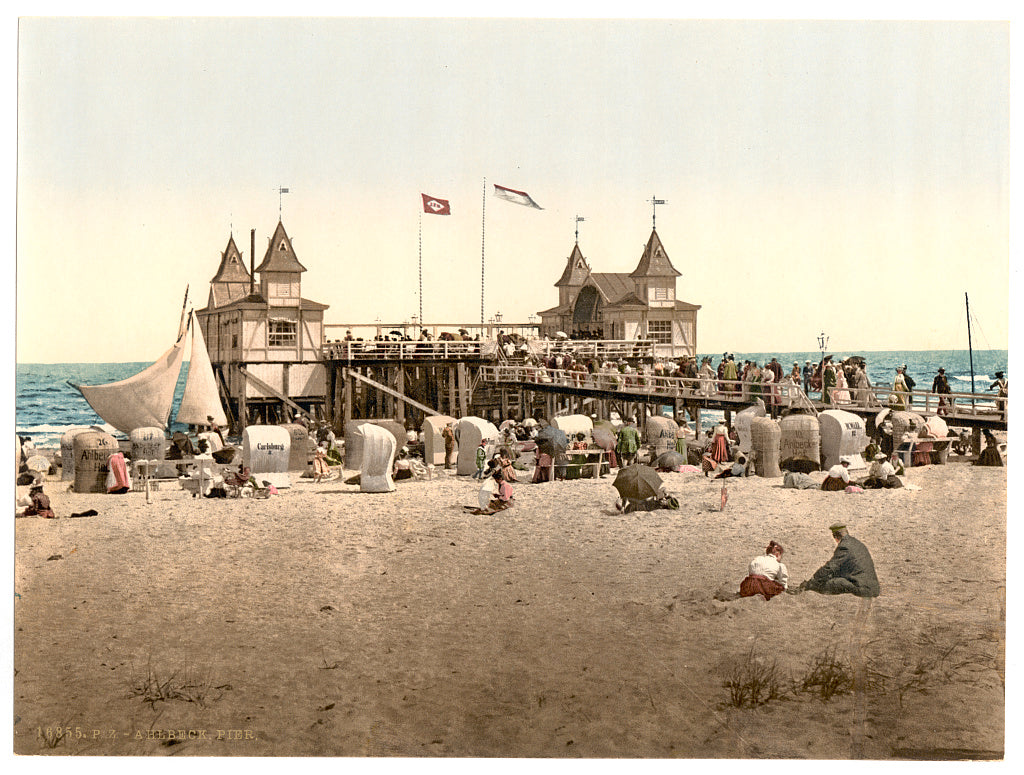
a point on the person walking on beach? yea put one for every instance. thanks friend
(767, 576)
(627, 442)
(940, 386)
(850, 570)
(481, 460)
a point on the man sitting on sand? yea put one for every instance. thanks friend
(851, 569)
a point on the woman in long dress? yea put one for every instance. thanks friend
(842, 393)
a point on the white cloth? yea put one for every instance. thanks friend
(766, 565)
(839, 471)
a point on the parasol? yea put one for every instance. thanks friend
(551, 441)
(670, 459)
(603, 437)
(637, 482)
(529, 422)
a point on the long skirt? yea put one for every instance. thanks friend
(833, 484)
(760, 585)
(720, 450)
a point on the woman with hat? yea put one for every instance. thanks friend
(40, 504)
(881, 474)
(766, 574)
(838, 477)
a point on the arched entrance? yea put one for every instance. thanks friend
(586, 313)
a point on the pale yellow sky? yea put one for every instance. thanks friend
(845, 176)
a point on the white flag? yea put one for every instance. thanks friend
(519, 197)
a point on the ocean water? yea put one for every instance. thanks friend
(46, 406)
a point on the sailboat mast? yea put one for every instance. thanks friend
(970, 349)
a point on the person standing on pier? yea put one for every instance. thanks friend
(940, 385)
(807, 374)
(899, 389)
(828, 380)
(910, 386)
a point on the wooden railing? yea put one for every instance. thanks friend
(953, 405)
(354, 350)
(657, 387)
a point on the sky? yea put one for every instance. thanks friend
(841, 176)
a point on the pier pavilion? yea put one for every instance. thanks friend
(641, 304)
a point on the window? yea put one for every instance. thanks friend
(281, 333)
(662, 293)
(660, 331)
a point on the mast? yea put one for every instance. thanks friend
(970, 349)
(483, 232)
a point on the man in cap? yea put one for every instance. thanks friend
(850, 570)
(808, 373)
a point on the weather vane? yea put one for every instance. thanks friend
(281, 191)
(579, 219)
(654, 210)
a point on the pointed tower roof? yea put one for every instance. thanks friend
(232, 279)
(232, 268)
(280, 257)
(576, 268)
(654, 262)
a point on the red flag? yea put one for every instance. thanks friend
(435, 206)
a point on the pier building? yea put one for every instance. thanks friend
(264, 338)
(641, 304)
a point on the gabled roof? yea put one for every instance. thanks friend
(654, 261)
(576, 268)
(280, 257)
(613, 285)
(630, 300)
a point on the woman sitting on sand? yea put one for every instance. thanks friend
(766, 575)
(40, 504)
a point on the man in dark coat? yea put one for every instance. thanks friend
(850, 569)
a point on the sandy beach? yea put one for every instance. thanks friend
(325, 621)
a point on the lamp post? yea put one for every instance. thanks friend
(822, 344)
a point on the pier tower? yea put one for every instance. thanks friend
(263, 337)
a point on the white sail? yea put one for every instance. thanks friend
(144, 399)
(200, 399)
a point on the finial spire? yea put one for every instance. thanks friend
(579, 220)
(654, 210)
(281, 191)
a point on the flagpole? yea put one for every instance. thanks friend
(421, 269)
(483, 231)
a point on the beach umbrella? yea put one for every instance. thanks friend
(551, 441)
(637, 482)
(529, 422)
(561, 335)
(603, 437)
(669, 459)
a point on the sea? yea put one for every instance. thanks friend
(46, 406)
